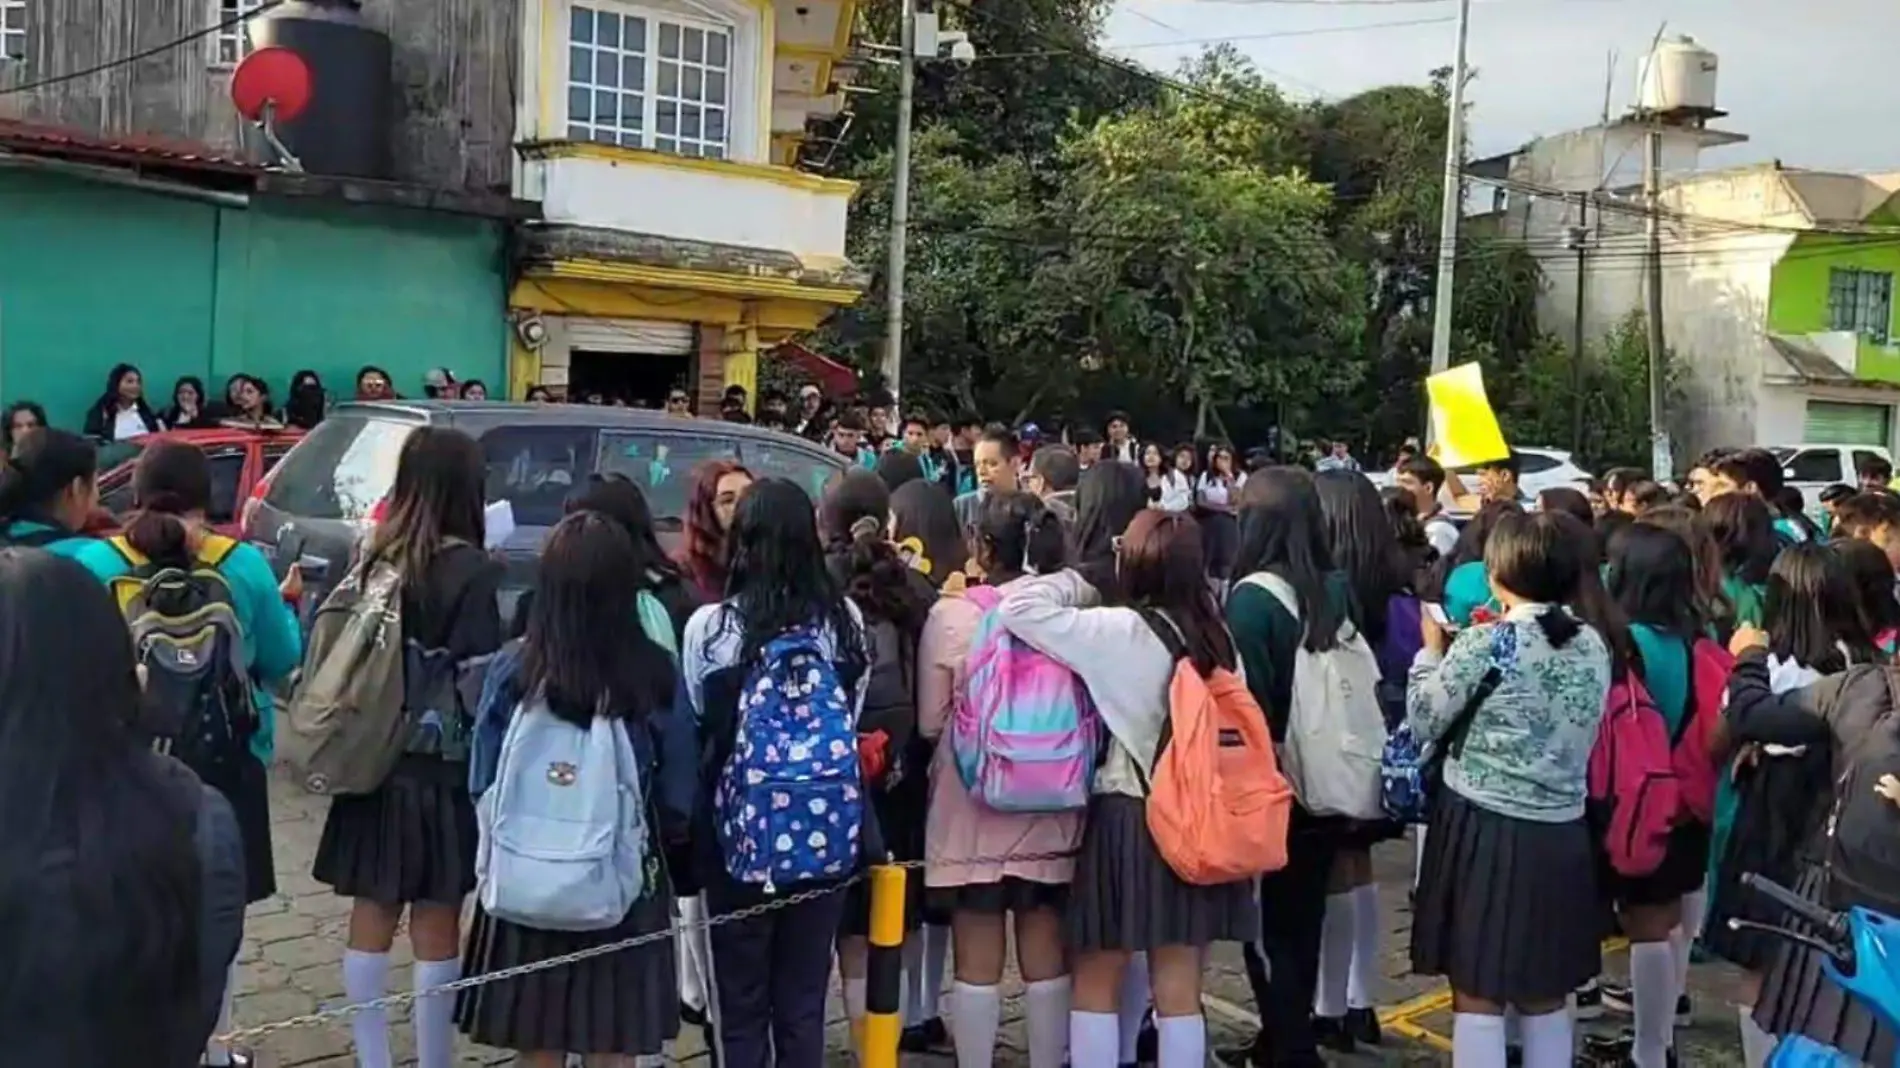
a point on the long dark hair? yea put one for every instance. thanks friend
(108, 401)
(173, 413)
(777, 574)
(1811, 609)
(1016, 533)
(1652, 576)
(437, 496)
(1541, 558)
(40, 469)
(617, 498)
(584, 647)
(171, 480)
(304, 405)
(1107, 498)
(922, 510)
(1283, 531)
(6, 419)
(1744, 526)
(100, 884)
(1163, 569)
(1872, 575)
(1710, 599)
(856, 513)
(1360, 538)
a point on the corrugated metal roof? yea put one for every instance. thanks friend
(42, 140)
(1833, 198)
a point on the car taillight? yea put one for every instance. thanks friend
(251, 505)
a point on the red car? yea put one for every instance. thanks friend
(239, 457)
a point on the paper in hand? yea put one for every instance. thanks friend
(498, 524)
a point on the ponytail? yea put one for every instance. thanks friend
(172, 480)
(1023, 535)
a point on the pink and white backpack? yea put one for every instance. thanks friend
(1025, 735)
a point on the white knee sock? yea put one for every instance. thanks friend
(1335, 957)
(854, 999)
(1094, 1039)
(1183, 1041)
(217, 1053)
(1133, 1005)
(692, 969)
(1694, 908)
(1365, 947)
(1549, 1040)
(1757, 1044)
(913, 978)
(1653, 989)
(936, 952)
(434, 1016)
(1046, 1004)
(975, 1012)
(1418, 852)
(366, 978)
(1477, 1041)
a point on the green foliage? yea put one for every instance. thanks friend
(1541, 395)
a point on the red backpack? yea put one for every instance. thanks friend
(1635, 795)
(1709, 668)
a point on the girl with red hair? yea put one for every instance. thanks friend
(717, 485)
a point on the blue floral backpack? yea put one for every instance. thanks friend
(790, 802)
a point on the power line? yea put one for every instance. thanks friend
(143, 54)
(1275, 35)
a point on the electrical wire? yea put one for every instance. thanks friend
(143, 54)
(1275, 35)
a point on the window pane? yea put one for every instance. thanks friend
(635, 39)
(716, 125)
(15, 18)
(716, 50)
(577, 133)
(689, 148)
(608, 33)
(581, 24)
(606, 108)
(669, 40)
(633, 73)
(604, 135)
(715, 87)
(669, 79)
(669, 117)
(580, 64)
(535, 468)
(696, 45)
(665, 144)
(630, 116)
(580, 105)
(662, 466)
(692, 83)
(689, 120)
(1816, 465)
(715, 152)
(607, 73)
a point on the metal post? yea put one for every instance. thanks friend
(1576, 330)
(884, 970)
(1452, 207)
(900, 204)
(1660, 460)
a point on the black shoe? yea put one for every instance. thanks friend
(924, 1037)
(1589, 1000)
(1329, 1032)
(1620, 999)
(691, 1016)
(1363, 1026)
(1606, 1051)
(1513, 1057)
(1685, 1015)
(239, 1059)
(1147, 1041)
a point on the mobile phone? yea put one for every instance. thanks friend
(1439, 616)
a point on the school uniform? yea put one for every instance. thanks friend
(1666, 675)
(414, 838)
(1123, 895)
(1834, 714)
(770, 971)
(1220, 527)
(1510, 863)
(273, 647)
(36, 534)
(626, 1002)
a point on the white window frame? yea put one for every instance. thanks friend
(13, 41)
(1868, 294)
(230, 44)
(740, 23)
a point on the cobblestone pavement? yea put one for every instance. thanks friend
(293, 942)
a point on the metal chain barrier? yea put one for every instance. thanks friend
(247, 1035)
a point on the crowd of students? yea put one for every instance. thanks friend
(840, 646)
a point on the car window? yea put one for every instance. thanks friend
(273, 454)
(227, 470)
(768, 459)
(534, 468)
(1815, 465)
(662, 465)
(340, 470)
(1864, 456)
(1532, 463)
(115, 491)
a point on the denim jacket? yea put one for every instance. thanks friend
(668, 747)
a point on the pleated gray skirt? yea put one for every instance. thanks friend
(1506, 908)
(626, 1002)
(1125, 897)
(1796, 998)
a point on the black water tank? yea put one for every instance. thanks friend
(346, 129)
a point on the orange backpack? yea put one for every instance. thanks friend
(1217, 804)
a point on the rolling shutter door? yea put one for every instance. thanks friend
(651, 336)
(1839, 423)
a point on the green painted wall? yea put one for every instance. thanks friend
(1797, 302)
(92, 275)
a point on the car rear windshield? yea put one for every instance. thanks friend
(340, 469)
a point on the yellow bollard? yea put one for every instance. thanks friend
(884, 970)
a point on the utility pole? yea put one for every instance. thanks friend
(1580, 237)
(1453, 204)
(900, 203)
(1661, 462)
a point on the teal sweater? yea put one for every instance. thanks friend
(1467, 589)
(273, 642)
(1665, 672)
(70, 545)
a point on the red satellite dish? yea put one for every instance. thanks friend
(276, 76)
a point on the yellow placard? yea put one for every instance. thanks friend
(1464, 429)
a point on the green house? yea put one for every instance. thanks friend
(188, 265)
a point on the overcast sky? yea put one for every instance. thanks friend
(1803, 79)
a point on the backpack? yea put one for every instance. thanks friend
(1634, 796)
(344, 725)
(1410, 771)
(1335, 730)
(563, 828)
(199, 706)
(1024, 734)
(1218, 807)
(790, 802)
(1696, 769)
(890, 703)
(1863, 830)
(1403, 613)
